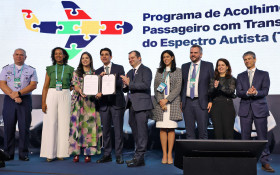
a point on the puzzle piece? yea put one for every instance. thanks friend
(111, 27)
(73, 11)
(28, 12)
(90, 27)
(73, 51)
(47, 27)
(30, 19)
(127, 27)
(79, 40)
(70, 5)
(81, 15)
(68, 27)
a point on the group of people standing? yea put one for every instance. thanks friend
(194, 90)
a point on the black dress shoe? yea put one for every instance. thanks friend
(25, 158)
(119, 160)
(8, 158)
(104, 159)
(136, 163)
(130, 161)
(2, 164)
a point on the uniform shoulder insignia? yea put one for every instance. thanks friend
(6, 66)
(31, 67)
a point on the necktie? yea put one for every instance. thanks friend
(250, 77)
(107, 70)
(193, 77)
(133, 74)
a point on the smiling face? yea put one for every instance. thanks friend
(249, 61)
(195, 54)
(167, 59)
(59, 56)
(222, 68)
(134, 61)
(105, 57)
(85, 60)
(19, 57)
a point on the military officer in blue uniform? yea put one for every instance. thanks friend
(17, 81)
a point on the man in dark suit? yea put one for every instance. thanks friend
(138, 85)
(196, 77)
(111, 108)
(252, 87)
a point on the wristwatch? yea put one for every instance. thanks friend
(19, 94)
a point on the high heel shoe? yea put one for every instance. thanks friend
(88, 159)
(164, 161)
(76, 158)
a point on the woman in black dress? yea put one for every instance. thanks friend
(221, 92)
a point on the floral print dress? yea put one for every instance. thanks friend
(85, 123)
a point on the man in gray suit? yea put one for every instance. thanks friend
(137, 83)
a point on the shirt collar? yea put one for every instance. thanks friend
(254, 70)
(110, 65)
(137, 67)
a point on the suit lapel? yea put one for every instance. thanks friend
(246, 79)
(255, 77)
(113, 69)
(201, 73)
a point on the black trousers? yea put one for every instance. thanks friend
(13, 113)
(223, 116)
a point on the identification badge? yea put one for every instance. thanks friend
(59, 86)
(17, 83)
(192, 82)
(161, 87)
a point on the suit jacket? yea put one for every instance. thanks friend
(116, 100)
(139, 89)
(258, 103)
(206, 73)
(173, 98)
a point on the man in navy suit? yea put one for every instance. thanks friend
(111, 108)
(196, 77)
(252, 87)
(138, 85)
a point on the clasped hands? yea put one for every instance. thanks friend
(163, 103)
(125, 80)
(252, 91)
(14, 95)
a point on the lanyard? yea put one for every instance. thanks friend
(166, 76)
(61, 73)
(196, 71)
(20, 71)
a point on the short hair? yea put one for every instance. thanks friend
(65, 59)
(106, 49)
(162, 65)
(136, 53)
(198, 46)
(228, 72)
(21, 50)
(249, 53)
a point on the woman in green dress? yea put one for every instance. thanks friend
(85, 125)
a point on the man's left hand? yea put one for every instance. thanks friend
(14, 95)
(18, 100)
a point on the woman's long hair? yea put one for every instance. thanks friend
(162, 65)
(80, 70)
(228, 72)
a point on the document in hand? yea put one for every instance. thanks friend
(93, 84)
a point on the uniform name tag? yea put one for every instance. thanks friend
(17, 83)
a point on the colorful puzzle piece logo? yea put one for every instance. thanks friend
(80, 28)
